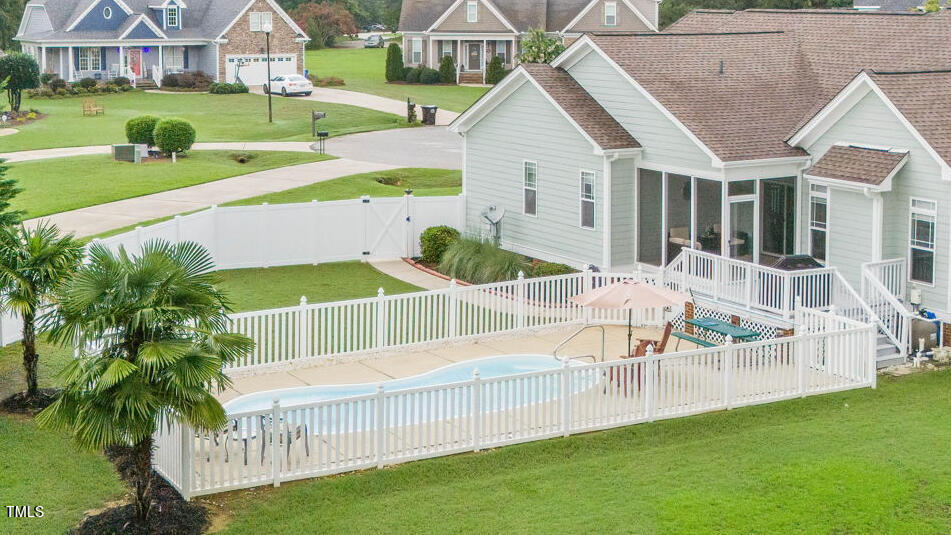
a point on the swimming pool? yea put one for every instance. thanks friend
(489, 367)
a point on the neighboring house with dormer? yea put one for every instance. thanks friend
(146, 39)
(472, 32)
(894, 6)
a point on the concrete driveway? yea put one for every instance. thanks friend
(365, 100)
(430, 146)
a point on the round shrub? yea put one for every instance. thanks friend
(548, 269)
(141, 129)
(174, 135)
(87, 83)
(412, 76)
(47, 77)
(428, 76)
(119, 81)
(57, 84)
(434, 241)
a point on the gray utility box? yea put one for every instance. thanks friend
(129, 153)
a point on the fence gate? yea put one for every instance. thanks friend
(386, 224)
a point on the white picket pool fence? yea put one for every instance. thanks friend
(285, 443)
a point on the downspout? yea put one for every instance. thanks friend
(606, 212)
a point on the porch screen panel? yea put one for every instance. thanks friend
(709, 210)
(778, 223)
(650, 204)
(678, 214)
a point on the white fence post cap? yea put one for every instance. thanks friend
(303, 300)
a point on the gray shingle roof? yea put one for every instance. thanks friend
(581, 107)
(772, 83)
(549, 15)
(857, 164)
(924, 98)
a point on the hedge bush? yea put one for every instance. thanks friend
(57, 83)
(224, 88)
(47, 77)
(549, 269)
(174, 135)
(119, 81)
(495, 71)
(412, 77)
(428, 76)
(394, 63)
(87, 83)
(434, 241)
(141, 129)
(447, 70)
(197, 80)
(481, 262)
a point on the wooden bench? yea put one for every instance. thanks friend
(684, 336)
(92, 108)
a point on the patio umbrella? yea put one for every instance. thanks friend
(629, 295)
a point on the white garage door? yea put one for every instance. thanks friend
(252, 68)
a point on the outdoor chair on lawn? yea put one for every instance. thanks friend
(92, 108)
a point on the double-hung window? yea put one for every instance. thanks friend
(472, 11)
(446, 48)
(175, 59)
(171, 17)
(587, 199)
(530, 188)
(921, 253)
(500, 50)
(610, 13)
(260, 20)
(818, 221)
(417, 52)
(90, 59)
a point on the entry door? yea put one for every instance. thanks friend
(475, 57)
(743, 230)
(135, 62)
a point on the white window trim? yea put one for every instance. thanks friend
(912, 211)
(417, 43)
(256, 20)
(525, 164)
(446, 48)
(825, 196)
(174, 59)
(107, 12)
(168, 16)
(92, 54)
(472, 11)
(593, 200)
(505, 56)
(613, 6)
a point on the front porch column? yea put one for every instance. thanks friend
(458, 59)
(161, 63)
(69, 63)
(725, 229)
(122, 68)
(432, 53)
(484, 46)
(43, 59)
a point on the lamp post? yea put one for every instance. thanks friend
(267, 27)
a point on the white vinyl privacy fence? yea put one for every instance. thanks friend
(284, 443)
(267, 235)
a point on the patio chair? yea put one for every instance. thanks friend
(660, 345)
(622, 378)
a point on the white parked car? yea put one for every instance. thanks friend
(289, 84)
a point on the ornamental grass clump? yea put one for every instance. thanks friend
(481, 262)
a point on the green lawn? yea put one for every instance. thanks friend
(60, 184)
(391, 183)
(423, 182)
(865, 461)
(362, 69)
(276, 287)
(215, 117)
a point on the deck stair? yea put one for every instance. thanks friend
(145, 83)
(470, 78)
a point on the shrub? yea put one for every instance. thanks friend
(47, 77)
(428, 76)
(18, 72)
(406, 71)
(330, 81)
(174, 135)
(172, 80)
(242, 157)
(394, 63)
(57, 83)
(447, 70)
(548, 269)
(227, 89)
(87, 83)
(141, 129)
(413, 76)
(119, 81)
(197, 80)
(434, 241)
(480, 262)
(494, 72)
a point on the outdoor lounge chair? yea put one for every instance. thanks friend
(632, 374)
(660, 345)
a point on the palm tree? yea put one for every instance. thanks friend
(34, 263)
(153, 335)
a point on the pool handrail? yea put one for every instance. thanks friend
(570, 337)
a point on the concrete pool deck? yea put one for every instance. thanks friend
(398, 364)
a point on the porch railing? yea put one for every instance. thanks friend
(882, 284)
(157, 75)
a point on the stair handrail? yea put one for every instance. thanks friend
(872, 287)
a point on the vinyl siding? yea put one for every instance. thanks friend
(36, 21)
(622, 213)
(627, 20)
(526, 126)
(457, 22)
(871, 122)
(94, 20)
(849, 243)
(664, 143)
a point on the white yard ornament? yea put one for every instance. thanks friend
(4, 118)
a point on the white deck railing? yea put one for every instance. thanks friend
(328, 437)
(883, 285)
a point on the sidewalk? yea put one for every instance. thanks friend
(399, 269)
(101, 218)
(61, 152)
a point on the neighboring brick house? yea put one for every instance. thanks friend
(147, 39)
(474, 31)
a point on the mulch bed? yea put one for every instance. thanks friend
(170, 515)
(19, 403)
(17, 119)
